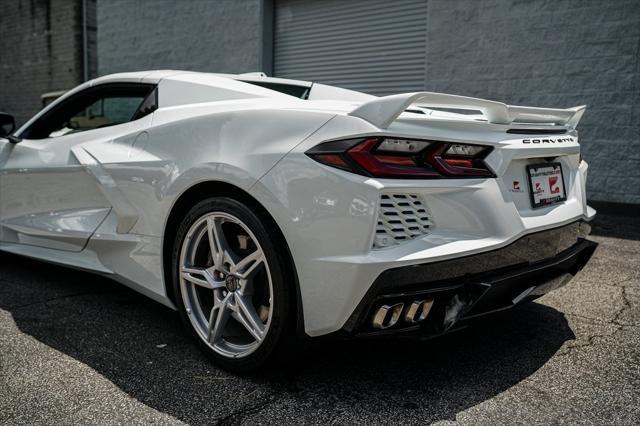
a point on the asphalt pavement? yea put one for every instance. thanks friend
(78, 348)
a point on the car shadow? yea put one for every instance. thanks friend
(139, 346)
(616, 226)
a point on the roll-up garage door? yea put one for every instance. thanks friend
(374, 46)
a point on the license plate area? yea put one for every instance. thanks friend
(546, 184)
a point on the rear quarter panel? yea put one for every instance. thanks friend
(192, 144)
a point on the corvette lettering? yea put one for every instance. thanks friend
(550, 140)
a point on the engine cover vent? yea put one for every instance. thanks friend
(401, 217)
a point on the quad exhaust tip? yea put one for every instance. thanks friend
(418, 311)
(388, 315)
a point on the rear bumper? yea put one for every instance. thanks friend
(473, 286)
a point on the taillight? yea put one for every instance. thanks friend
(404, 158)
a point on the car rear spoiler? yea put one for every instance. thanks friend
(383, 111)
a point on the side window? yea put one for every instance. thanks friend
(107, 111)
(288, 89)
(93, 108)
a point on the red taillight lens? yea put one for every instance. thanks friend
(460, 160)
(334, 160)
(404, 158)
(378, 164)
(459, 163)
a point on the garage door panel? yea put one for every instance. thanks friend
(374, 46)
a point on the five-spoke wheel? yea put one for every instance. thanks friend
(225, 278)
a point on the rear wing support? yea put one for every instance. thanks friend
(381, 112)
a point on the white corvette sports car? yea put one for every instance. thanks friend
(263, 209)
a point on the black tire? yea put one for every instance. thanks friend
(280, 333)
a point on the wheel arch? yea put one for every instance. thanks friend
(208, 189)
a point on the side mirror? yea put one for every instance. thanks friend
(7, 124)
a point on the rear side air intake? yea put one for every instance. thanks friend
(401, 217)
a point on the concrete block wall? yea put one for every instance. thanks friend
(554, 53)
(40, 51)
(213, 36)
(92, 39)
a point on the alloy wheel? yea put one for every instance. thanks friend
(226, 285)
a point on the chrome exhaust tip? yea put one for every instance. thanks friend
(387, 316)
(418, 311)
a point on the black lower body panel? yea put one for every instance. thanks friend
(465, 288)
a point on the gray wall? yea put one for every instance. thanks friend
(215, 36)
(556, 53)
(40, 51)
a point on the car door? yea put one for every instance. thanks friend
(49, 196)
